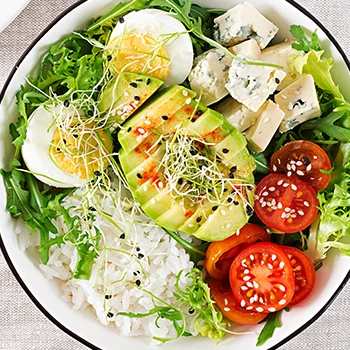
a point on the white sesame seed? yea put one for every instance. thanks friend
(306, 204)
(285, 184)
(273, 257)
(145, 188)
(266, 120)
(251, 256)
(251, 300)
(223, 212)
(141, 131)
(280, 182)
(249, 308)
(299, 163)
(271, 309)
(274, 207)
(269, 266)
(293, 187)
(279, 161)
(283, 215)
(244, 288)
(259, 309)
(261, 300)
(314, 157)
(271, 189)
(293, 216)
(273, 202)
(287, 209)
(184, 92)
(289, 173)
(246, 271)
(256, 297)
(265, 193)
(242, 303)
(243, 262)
(250, 284)
(282, 302)
(308, 168)
(281, 265)
(231, 208)
(268, 204)
(228, 225)
(263, 204)
(160, 184)
(296, 92)
(300, 212)
(188, 101)
(294, 167)
(139, 138)
(226, 301)
(153, 201)
(274, 168)
(190, 225)
(246, 278)
(300, 173)
(282, 287)
(289, 167)
(227, 309)
(262, 262)
(256, 285)
(279, 205)
(147, 122)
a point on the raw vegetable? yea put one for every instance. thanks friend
(285, 203)
(262, 278)
(272, 322)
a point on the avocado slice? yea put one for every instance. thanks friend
(153, 114)
(125, 93)
(158, 205)
(244, 163)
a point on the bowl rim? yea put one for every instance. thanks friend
(2, 245)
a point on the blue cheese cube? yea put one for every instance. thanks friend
(248, 48)
(243, 22)
(209, 75)
(252, 85)
(299, 102)
(260, 134)
(237, 114)
(282, 55)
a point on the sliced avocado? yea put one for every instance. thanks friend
(153, 114)
(125, 93)
(244, 163)
(146, 191)
(158, 205)
(230, 146)
(224, 222)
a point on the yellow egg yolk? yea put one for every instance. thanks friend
(82, 149)
(139, 54)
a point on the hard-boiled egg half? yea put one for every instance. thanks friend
(63, 148)
(152, 42)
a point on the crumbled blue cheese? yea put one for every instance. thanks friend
(261, 133)
(237, 114)
(282, 55)
(243, 22)
(299, 102)
(252, 85)
(248, 48)
(209, 75)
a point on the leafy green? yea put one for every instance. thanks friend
(195, 251)
(304, 44)
(209, 321)
(333, 227)
(262, 164)
(272, 322)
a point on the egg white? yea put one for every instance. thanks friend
(156, 23)
(36, 148)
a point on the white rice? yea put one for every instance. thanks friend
(115, 271)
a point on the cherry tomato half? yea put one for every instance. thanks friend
(285, 203)
(262, 278)
(222, 294)
(303, 160)
(304, 274)
(220, 254)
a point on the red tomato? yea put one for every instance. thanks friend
(304, 274)
(303, 160)
(220, 254)
(285, 203)
(262, 278)
(222, 294)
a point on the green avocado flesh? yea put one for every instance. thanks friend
(170, 116)
(125, 93)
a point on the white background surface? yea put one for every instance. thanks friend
(22, 326)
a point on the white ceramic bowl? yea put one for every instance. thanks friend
(84, 326)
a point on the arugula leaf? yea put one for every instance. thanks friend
(209, 321)
(262, 164)
(272, 322)
(305, 44)
(195, 251)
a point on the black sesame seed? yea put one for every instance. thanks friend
(129, 128)
(108, 296)
(110, 315)
(199, 113)
(139, 80)
(90, 113)
(139, 175)
(58, 149)
(229, 199)
(135, 273)
(97, 173)
(249, 210)
(121, 20)
(122, 236)
(109, 57)
(193, 120)
(66, 103)
(225, 189)
(148, 81)
(137, 249)
(199, 219)
(137, 98)
(140, 255)
(215, 207)
(233, 192)
(138, 283)
(233, 169)
(305, 160)
(75, 95)
(180, 181)
(277, 81)
(65, 141)
(225, 150)
(193, 152)
(165, 117)
(191, 311)
(250, 187)
(134, 85)
(235, 202)
(232, 176)
(75, 136)
(92, 209)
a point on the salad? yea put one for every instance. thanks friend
(180, 171)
